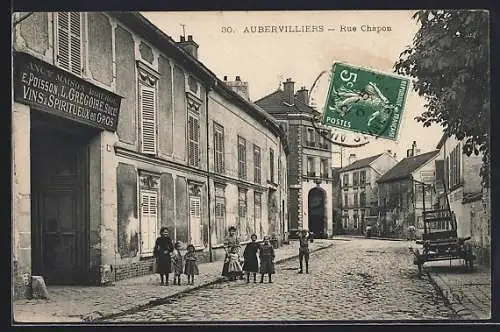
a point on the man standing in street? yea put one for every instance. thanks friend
(304, 249)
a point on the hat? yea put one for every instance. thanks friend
(232, 228)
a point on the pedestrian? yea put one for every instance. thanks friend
(304, 250)
(251, 263)
(191, 266)
(411, 233)
(177, 263)
(266, 254)
(232, 247)
(162, 250)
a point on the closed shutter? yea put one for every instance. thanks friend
(193, 141)
(69, 42)
(147, 104)
(149, 220)
(195, 221)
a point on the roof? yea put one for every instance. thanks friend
(137, 22)
(362, 163)
(407, 166)
(274, 103)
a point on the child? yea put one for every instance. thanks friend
(191, 267)
(266, 253)
(177, 263)
(251, 264)
(234, 267)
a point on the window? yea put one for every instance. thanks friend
(362, 199)
(257, 223)
(148, 131)
(355, 178)
(256, 163)
(69, 42)
(194, 139)
(271, 164)
(310, 137)
(148, 194)
(345, 219)
(346, 200)
(345, 180)
(311, 171)
(362, 177)
(195, 223)
(356, 219)
(362, 217)
(356, 199)
(220, 214)
(454, 166)
(242, 213)
(324, 168)
(242, 158)
(218, 148)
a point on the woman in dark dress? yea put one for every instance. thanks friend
(251, 264)
(163, 248)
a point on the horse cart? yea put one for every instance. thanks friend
(440, 241)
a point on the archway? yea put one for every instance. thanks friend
(317, 211)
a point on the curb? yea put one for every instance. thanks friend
(460, 310)
(88, 318)
(377, 238)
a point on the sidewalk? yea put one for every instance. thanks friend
(468, 292)
(90, 303)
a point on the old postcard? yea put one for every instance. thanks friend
(251, 167)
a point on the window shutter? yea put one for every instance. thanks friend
(148, 221)
(196, 142)
(153, 218)
(195, 221)
(69, 41)
(148, 119)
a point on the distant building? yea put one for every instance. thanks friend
(400, 193)
(309, 161)
(359, 189)
(459, 184)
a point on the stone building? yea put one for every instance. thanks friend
(459, 186)
(118, 130)
(401, 197)
(359, 189)
(309, 161)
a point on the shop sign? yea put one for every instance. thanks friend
(53, 90)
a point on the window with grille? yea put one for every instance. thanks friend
(257, 223)
(218, 148)
(195, 227)
(148, 127)
(345, 180)
(362, 177)
(271, 164)
(242, 213)
(242, 158)
(193, 138)
(220, 213)
(69, 41)
(257, 164)
(149, 220)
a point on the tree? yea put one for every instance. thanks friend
(449, 60)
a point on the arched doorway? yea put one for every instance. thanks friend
(316, 211)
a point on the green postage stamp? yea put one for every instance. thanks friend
(365, 101)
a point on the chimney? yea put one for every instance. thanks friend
(189, 45)
(409, 153)
(303, 95)
(238, 86)
(289, 91)
(352, 158)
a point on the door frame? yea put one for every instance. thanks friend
(82, 222)
(321, 192)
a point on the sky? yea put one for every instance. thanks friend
(228, 47)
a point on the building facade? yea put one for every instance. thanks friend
(359, 190)
(468, 200)
(309, 162)
(401, 193)
(116, 133)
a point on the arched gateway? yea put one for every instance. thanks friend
(317, 211)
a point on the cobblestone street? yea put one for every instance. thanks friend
(353, 280)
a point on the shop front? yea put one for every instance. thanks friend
(58, 123)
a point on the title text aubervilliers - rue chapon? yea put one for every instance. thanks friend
(314, 28)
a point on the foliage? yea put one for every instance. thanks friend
(449, 60)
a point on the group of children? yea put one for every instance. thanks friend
(253, 251)
(187, 264)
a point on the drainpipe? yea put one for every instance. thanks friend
(209, 200)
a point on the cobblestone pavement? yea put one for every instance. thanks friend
(360, 279)
(468, 292)
(87, 303)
